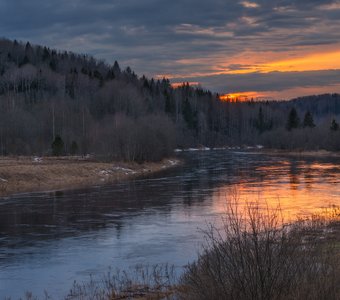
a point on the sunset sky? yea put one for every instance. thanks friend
(269, 49)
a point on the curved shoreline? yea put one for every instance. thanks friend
(34, 174)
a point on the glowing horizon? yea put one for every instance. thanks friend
(241, 97)
(318, 62)
(310, 62)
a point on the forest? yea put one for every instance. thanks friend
(59, 103)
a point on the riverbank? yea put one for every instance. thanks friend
(31, 174)
(268, 151)
(301, 153)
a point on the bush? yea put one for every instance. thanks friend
(256, 256)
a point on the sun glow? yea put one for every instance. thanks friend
(232, 97)
(242, 97)
(313, 62)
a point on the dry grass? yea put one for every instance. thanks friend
(28, 174)
(142, 282)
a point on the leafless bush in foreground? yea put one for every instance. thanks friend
(256, 256)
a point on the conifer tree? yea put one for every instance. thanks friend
(293, 120)
(261, 124)
(57, 146)
(189, 116)
(308, 120)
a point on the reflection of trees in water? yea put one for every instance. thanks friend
(308, 175)
(60, 214)
(311, 170)
(294, 174)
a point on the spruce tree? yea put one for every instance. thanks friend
(189, 116)
(187, 112)
(261, 124)
(293, 120)
(308, 120)
(57, 146)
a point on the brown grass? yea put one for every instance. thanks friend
(28, 174)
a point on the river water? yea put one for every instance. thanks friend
(48, 240)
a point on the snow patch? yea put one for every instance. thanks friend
(114, 170)
(197, 149)
(37, 159)
(125, 170)
(105, 172)
(172, 162)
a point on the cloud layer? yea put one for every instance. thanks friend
(207, 41)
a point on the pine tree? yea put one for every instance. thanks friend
(261, 124)
(116, 69)
(293, 120)
(188, 114)
(57, 146)
(169, 107)
(308, 120)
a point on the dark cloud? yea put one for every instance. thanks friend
(273, 81)
(173, 37)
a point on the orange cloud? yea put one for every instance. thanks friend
(251, 62)
(313, 62)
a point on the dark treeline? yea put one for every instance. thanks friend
(58, 102)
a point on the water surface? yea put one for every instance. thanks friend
(48, 240)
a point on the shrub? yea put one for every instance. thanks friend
(256, 256)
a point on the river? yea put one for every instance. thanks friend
(48, 240)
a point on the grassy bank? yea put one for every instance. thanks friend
(29, 174)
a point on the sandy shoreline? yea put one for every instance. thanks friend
(32, 174)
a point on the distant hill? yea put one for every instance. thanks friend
(56, 100)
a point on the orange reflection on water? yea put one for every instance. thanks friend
(299, 189)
